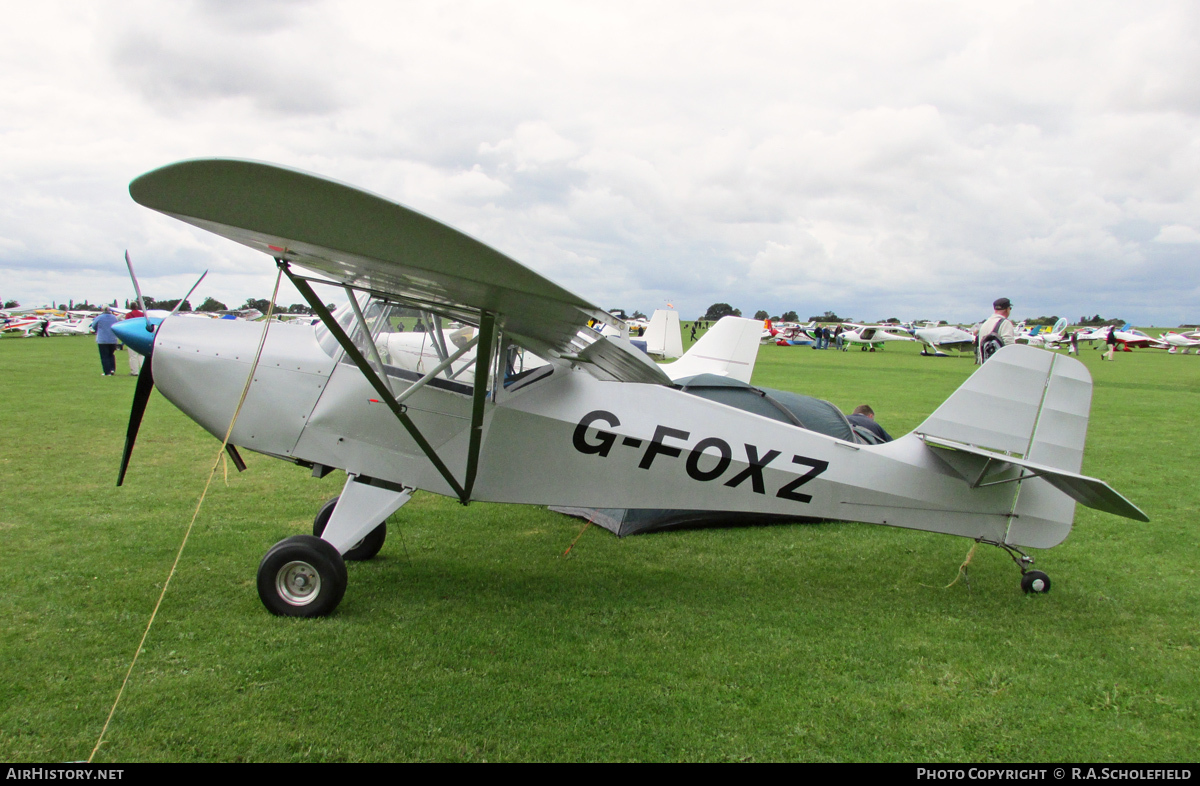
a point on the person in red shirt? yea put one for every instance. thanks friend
(135, 360)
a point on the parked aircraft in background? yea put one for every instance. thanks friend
(795, 336)
(872, 336)
(664, 337)
(21, 324)
(1181, 343)
(77, 326)
(1037, 338)
(769, 332)
(940, 338)
(1126, 335)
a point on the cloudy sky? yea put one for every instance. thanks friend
(912, 159)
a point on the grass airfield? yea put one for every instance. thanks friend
(471, 637)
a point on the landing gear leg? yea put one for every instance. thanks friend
(305, 575)
(362, 550)
(1032, 581)
(354, 521)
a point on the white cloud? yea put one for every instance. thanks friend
(1177, 233)
(914, 158)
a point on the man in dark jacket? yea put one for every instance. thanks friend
(864, 417)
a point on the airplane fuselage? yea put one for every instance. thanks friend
(559, 436)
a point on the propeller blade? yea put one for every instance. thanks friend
(141, 396)
(189, 293)
(136, 288)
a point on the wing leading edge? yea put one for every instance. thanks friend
(357, 238)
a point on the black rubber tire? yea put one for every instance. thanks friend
(1035, 582)
(362, 551)
(301, 576)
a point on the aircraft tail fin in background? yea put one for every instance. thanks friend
(728, 349)
(664, 337)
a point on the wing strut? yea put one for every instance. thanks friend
(483, 368)
(487, 329)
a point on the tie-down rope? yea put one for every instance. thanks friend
(220, 454)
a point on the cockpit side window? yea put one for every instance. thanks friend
(408, 354)
(344, 317)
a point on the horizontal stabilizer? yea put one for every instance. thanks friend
(977, 465)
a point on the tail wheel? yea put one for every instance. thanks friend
(365, 549)
(1036, 582)
(302, 576)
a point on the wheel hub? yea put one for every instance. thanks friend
(298, 583)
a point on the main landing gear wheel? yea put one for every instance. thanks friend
(1034, 581)
(365, 549)
(302, 576)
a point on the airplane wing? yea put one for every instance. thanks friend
(365, 241)
(962, 344)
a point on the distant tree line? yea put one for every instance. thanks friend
(262, 304)
(211, 305)
(828, 316)
(1097, 320)
(718, 310)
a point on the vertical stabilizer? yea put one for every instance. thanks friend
(728, 349)
(998, 406)
(1032, 405)
(664, 337)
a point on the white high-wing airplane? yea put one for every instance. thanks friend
(599, 425)
(869, 336)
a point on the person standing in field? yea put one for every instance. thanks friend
(135, 358)
(996, 331)
(1112, 342)
(106, 339)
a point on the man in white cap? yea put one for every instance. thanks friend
(998, 328)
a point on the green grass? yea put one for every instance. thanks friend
(472, 638)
